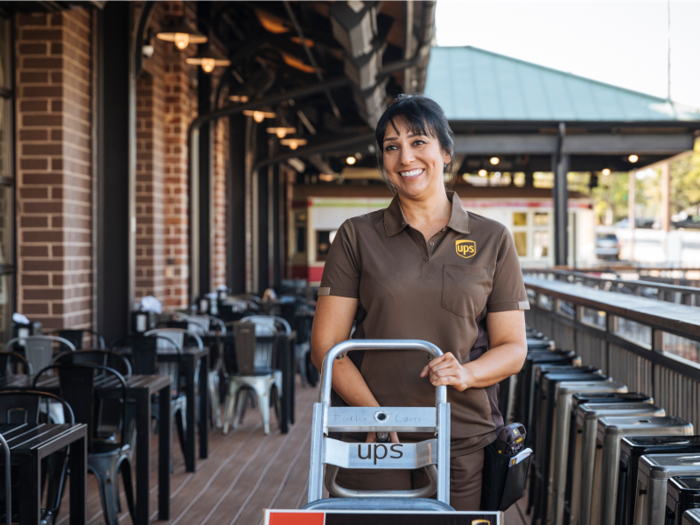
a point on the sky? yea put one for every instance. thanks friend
(620, 43)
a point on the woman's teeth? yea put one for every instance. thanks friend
(411, 173)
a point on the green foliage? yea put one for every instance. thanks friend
(612, 192)
(685, 184)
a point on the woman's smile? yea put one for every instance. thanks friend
(411, 174)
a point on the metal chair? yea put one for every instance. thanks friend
(25, 408)
(8, 481)
(202, 325)
(144, 360)
(105, 459)
(255, 354)
(77, 336)
(39, 349)
(9, 362)
(107, 416)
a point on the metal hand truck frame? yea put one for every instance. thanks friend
(333, 454)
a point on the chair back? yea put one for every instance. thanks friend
(197, 324)
(105, 358)
(279, 324)
(38, 349)
(77, 386)
(77, 337)
(169, 341)
(23, 407)
(255, 353)
(9, 364)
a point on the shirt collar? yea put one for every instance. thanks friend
(395, 222)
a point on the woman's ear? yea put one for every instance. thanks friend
(447, 156)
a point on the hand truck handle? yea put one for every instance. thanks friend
(337, 491)
(375, 344)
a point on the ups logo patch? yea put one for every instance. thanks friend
(465, 249)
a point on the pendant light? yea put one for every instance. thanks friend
(208, 59)
(259, 115)
(293, 143)
(182, 34)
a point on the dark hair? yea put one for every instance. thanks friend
(421, 115)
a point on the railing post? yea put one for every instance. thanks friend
(657, 340)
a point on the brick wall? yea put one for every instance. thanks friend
(221, 149)
(150, 123)
(53, 119)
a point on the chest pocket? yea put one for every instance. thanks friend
(465, 289)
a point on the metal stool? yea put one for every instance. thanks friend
(587, 460)
(631, 449)
(654, 472)
(573, 459)
(691, 517)
(610, 432)
(683, 493)
(545, 432)
(564, 393)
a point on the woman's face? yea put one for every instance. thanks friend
(413, 162)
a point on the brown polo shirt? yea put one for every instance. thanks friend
(439, 291)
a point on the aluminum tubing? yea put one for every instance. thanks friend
(443, 458)
(589, 445)
(608, 486)
(316, 467)
(375, 344)
(656, 502)
(560, 454)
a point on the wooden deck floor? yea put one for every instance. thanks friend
(246, 472)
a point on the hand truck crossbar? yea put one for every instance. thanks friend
(384, 419)
(380, 455)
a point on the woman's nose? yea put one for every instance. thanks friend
(406, 156)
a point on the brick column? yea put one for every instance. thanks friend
(150, 260)
(53, 57)
(221, 150)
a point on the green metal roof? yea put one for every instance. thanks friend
(476, 85)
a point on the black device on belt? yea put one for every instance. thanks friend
(506, 461)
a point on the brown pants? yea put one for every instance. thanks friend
(465, 480)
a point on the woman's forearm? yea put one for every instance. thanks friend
(495, 365)
(332, 324)
(350, 385)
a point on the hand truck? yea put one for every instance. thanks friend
(432, 454)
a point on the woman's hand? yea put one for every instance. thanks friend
(446, 370)
(372, 437)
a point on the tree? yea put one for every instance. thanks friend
(685, 184)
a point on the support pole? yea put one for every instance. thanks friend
(631, 204)
(665, 205)
(666, 196)
(560, 196)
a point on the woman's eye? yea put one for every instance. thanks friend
(419, 142)
(390, 148)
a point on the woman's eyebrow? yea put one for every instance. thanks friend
(390, 138)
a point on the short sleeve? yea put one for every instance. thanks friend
(508, 291)
(341, 274)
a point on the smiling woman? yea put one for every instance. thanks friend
(423, 268)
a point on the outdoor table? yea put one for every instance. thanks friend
(286, 363)
(139, 388)
(29, 445)
(191, 356)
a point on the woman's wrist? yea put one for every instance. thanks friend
(467, 378)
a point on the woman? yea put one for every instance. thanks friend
(423, 268)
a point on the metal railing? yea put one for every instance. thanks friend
(650, 346)
(687, 295)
